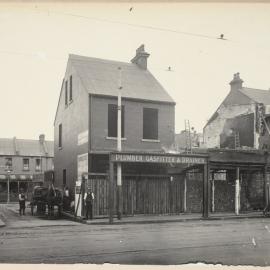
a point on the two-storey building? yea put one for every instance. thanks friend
(242, 123)
(86, 118)
(23, 164)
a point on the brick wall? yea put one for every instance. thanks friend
(224, 196)
(74, 120)
(251, 194)
(194, 192)
(17, 164)
(256, 191)
(133, 117)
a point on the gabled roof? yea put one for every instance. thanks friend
(100, 77)
(257, 95)
(251, 95)
(26, 147)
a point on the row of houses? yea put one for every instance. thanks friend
(159, 176)
(23, 164)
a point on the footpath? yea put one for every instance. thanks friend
(182, 217)
(9, 215)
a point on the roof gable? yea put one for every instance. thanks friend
(100, 77)
(235, 97)
(257, 95)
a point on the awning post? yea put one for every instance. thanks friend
(266, 186)
(237, 191)
(111, 191)
(213, 194)
(206, 190)
(185, 195)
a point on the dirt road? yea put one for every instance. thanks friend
(230, 242)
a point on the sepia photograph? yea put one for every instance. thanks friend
(135, 133)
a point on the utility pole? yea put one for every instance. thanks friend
(8, 186)
(119, 147)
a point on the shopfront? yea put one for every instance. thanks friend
(11, 184)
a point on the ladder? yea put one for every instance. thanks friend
(236, 140)
(188, 137)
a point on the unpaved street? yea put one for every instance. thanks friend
(245, 241)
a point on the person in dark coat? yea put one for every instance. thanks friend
(22, 202)
(50, 199)
(89, 200)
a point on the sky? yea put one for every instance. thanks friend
(37, 38)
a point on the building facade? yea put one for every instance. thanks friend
(86, 118)
(22, 165)
(241, 123)
(242, 120)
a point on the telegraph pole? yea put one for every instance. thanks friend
(119, 147)
(8, 186)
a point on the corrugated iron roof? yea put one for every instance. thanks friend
(100, 77)
(25, 147)
(258, 95)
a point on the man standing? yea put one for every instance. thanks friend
(22, 202)
(66, 199)
(88, 199)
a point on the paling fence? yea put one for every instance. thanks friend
(155, 194)
(159, 194)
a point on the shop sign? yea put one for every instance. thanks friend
(83, 137)
(157, 159)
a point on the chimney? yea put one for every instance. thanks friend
(41, 138)
(140, 59)
(237, 82)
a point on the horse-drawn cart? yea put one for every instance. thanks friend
(46, 198)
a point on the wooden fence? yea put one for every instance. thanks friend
(141, 195)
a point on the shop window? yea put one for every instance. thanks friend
(66, 93)
(8, 164)
(112, 121)
(70, 88)
(38, 164)
(26, 164)
(150, 124)
(64, 177)
(60, 136)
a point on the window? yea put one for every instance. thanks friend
(66, 93)
(38, 164)
(9, 164)
(64, 177)
(26, 164)
(112, 121)
(150, 124)
(60, 136)
(70, 88)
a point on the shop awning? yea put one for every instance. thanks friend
(16, 177)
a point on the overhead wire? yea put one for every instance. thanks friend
(219, 37)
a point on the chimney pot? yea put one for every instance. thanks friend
(237, 82)
(140, 59)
